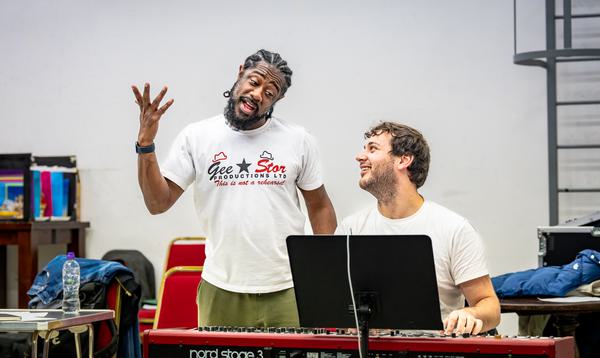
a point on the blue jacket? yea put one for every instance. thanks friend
(47, 285)
(551, 280)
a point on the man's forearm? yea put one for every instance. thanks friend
(322, 219)
(153, 185)
(488, 311)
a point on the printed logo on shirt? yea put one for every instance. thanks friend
(219, 156)
(264, 170)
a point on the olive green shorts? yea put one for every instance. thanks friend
(218, 307)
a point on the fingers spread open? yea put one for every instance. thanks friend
(166, 106)
(159, 98)
(146, 98)
(138, 95)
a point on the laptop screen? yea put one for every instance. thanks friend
(397, 272)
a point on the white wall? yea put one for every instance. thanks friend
(443, 67)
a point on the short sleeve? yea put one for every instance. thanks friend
(468, 255)
(310, 176)
(179, 165)
(342, 228)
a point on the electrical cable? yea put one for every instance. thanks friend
(352, 291)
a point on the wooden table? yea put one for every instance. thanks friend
(55, 320)
(532, 305)
(28, 236)
(567, 314)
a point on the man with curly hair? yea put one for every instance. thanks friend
(393, 166)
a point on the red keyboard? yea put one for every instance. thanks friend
(307, 343)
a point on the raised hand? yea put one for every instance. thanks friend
(150, 113)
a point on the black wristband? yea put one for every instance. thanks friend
(143, 150)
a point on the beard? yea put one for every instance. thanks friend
(240, 122)
(380, 181)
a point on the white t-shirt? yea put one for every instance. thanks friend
(245, 197)
(457, 248)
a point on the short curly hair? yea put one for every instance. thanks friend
(406, 140)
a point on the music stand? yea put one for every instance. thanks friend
(393, 279)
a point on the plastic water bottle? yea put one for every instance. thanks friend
(70, 279)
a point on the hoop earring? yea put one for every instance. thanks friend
(227, 94)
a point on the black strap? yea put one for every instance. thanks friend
(143, 150)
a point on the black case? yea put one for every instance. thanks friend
(559, 245)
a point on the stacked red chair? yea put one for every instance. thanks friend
(177, 298)
(182, 252)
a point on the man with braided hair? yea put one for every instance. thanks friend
(393, 166)
(245, 167)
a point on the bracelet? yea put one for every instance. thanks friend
(143, 150)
